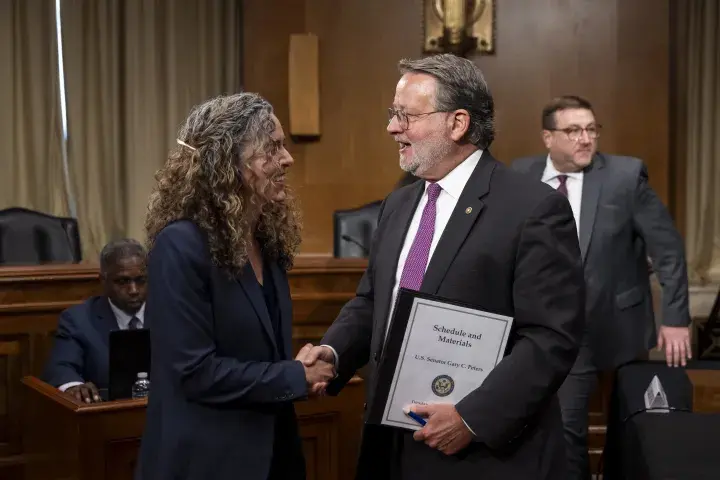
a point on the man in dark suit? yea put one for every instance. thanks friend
(621, 221)
(475, 232)
(79, 362)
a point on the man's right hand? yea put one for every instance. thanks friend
(319, 352)
(319, 367)
(86, 392)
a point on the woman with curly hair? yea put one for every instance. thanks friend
(222, 230)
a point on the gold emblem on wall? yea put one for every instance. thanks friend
(459, 26)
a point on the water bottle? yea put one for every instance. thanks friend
(141, 387)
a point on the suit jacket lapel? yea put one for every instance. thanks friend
(282, 290)
(592, 184)
(466, 213)
(537, 168)
(388, 256)
(105, 321)
(253, 292)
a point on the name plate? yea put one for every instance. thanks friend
(436, 351)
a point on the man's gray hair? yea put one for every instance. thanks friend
(119, 250)
(461, 85)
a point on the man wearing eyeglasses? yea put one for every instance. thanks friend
(621, 222)
(473, 231)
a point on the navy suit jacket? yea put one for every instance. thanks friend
(220, 383)
(81, 349)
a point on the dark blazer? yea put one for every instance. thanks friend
(622, 222)
(81, 348)
(221, 386)
(515, 253)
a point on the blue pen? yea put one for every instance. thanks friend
(415, 417)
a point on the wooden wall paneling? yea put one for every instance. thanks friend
(643, 89)
(546, 49)
(267, 25)
(31, 298)
(12, 350)
(706, 390)
(110, 441)
(304, 94)
(320, 439)
(320, 286)
(330, 429)
(678, 114)
(614, 53)
(49, 435)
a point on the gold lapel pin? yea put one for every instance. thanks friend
(468, 210)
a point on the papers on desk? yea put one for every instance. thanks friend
(436, 351)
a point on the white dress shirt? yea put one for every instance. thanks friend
(123, 321)
(574, 184)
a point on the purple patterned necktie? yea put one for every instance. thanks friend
(562, 188)
(416, 263)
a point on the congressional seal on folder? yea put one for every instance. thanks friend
(436, 351)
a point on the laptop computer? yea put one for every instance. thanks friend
(129, 355)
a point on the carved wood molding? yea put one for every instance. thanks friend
(9, 348)
(49, 273)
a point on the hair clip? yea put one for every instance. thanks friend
(180, 142)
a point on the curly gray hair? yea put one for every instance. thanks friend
(205, 183)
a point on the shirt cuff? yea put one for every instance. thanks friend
(337, 359)
(468, 427)
(65, 386)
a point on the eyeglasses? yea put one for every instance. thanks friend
(404, 117)
(575, 133)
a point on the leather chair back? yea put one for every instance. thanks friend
(28, 237)
(353, 230)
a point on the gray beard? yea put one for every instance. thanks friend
(428, 157)
(411, 168)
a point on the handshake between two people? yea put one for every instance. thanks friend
(319, 364)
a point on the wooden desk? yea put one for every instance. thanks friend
(706, 390)
(63, 438)
(31, 299)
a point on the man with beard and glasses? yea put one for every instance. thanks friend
(475, 232)
(223, 230)
(79, 360)
(621, 221)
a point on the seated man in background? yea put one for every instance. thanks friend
(78, 363)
